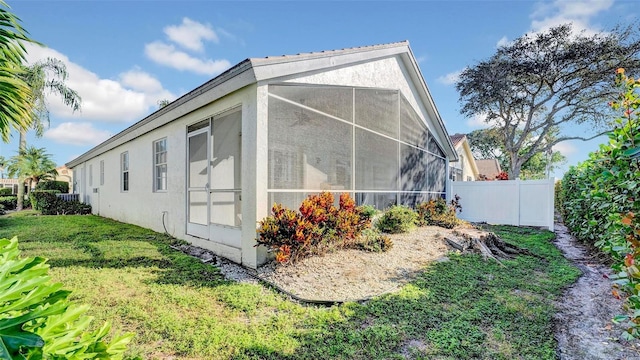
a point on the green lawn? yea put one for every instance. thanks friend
(465, 308)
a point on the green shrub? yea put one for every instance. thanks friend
(41, 199)
(372, 240)
(317, 228)
(5, 191)
(48, 203)
(37, 320)
(9, 202)
(62, 207)
(397, 219)
(61, 186)
(559, 198)
(601, 200)
(368, 211)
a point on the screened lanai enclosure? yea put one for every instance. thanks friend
(208, 167)
(365, 141)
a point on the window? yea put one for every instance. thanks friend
(91, 175)
(124, 168)
(75, 181)
(160, 165)
(101, 172)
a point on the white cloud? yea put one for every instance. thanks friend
(504, 41)
(451, 78)
(191, 34)
(140, 80)
(77, 133)
(168, 55)
(130, 98)
(577, 12)
(565, 148)
(478, 121)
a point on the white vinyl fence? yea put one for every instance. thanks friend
(506, 202)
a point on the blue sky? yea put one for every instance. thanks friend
(124, 56)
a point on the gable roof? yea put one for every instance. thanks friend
(461, 143)
(456, 139)
(253, 70)
(488, 167)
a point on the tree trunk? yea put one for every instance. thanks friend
(516, 166)
(21, 147)
(488, 244)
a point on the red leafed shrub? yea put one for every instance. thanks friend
(502, 176)
(317, 228)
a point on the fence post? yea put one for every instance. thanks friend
(551, 199)
(517, 200)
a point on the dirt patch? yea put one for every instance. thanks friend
(583, 324)
(355, 274)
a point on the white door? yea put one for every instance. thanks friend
(225, 193)
(198, 183)
(214, 179)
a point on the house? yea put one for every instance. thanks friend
(209, 166)
(488, 169)
(66, 175)
(465, 169)
(10, 183)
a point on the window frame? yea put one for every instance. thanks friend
(101, 172)
(124, 183)
(157, 166)
(90, 175)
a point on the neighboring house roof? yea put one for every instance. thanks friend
(456, 139)
(489, 168)
(253, 70)
(461, 144)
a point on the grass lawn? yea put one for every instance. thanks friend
(465, 308)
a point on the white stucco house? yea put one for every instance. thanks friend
(209, 166)
(465, 168)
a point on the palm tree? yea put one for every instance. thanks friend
(44, 77)
(33, 165)
(3, 164)
(15, 94)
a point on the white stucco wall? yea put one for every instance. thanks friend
(464, 153)
(144, 207)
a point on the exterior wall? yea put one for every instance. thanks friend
(507, 202)
(144, 207)
(465, 164)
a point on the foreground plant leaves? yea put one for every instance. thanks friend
(38, 321)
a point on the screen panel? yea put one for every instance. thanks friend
(307, 150)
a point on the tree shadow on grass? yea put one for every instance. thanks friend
(171, 267)
(462, 309)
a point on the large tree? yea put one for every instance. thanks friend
(32, 164)
(488, 144)
(547, 82)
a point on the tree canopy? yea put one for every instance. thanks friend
(544, 84)
(32, 164)
(487, 144)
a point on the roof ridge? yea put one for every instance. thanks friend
(332, 51)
